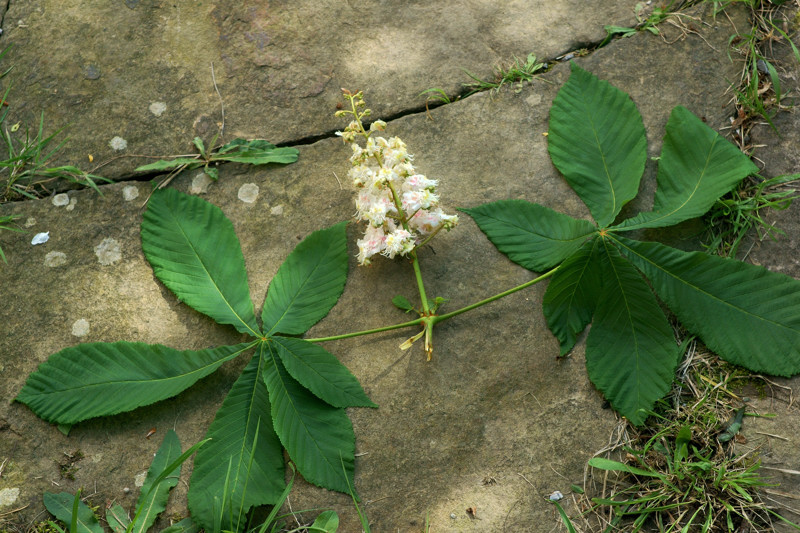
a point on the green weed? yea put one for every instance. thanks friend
(251, 152)
(7, 224)
(646, 22)
(25, 171)
(734, 216)
(516, 72)
(682, 472)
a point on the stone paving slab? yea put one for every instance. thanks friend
(777, 438)
(141, 69)
(495, 421)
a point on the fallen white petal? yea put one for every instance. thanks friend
(40, 238)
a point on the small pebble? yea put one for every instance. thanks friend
(40, 238)
(60, 200)
(126, 490)
(556, 495)
(118, 144)
(453, 516)
(248, 193)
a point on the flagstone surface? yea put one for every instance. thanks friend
(495, 421)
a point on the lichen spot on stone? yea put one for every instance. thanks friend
(118, 144)
(8, 497)
(139, 479)
(200, 183)
(130, 192)
(29, 222)
(277, 210)
(80, 328)
(55, 259)
(534, 100)
(72, 202)
(108, 252)
(158, 108)
(60, 200)
(248, 193)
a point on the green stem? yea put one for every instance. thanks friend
(496, 296)
(366, 332)
(435, 319)
(418, 274)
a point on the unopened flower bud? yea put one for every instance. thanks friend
(378, 125)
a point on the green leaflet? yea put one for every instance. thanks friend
(697, 166)
(61, 505)
(117, 518)
(172, 163)
(102, 379)
(747, 314)
(533, 236)
(255, 152)
(597, 141)
(242, 465)
(631, 352)
(151, 503)
(308, 284)
(572, 295)
(319, 437)
(196, 254)
(327, 521)
(608, 464)
(320, 372)
(184, 526)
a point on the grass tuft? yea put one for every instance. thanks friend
(683, 472)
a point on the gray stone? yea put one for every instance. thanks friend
(278, 66)
(495, 403)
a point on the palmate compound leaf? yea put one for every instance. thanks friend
(745, 313)
(597, 141)
(102, 379)
(152, 501)
(572, 294)
(696, 167)
(242, 465)
(318, 437)
(631, 352)
(531, 235)
(320, 372)
(308, 284)
(194, 251)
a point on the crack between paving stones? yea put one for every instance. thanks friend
(465, 93)
(3, 15)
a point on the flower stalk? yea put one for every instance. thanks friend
(429, 321)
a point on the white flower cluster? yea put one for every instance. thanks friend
(385, 178)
